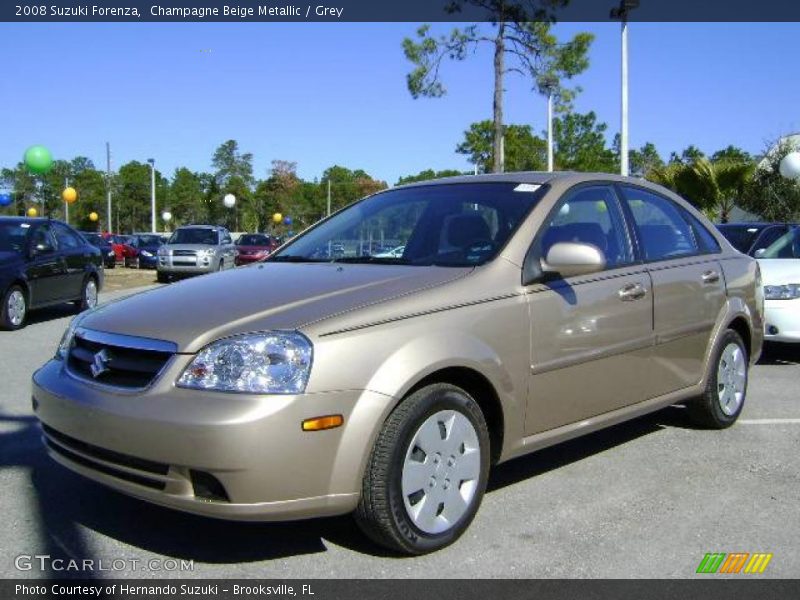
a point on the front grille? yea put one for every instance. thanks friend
(117, 360)
(184, 253)
(82, 453)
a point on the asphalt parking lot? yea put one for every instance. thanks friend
(644, 499)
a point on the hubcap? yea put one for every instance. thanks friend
(731, 379)
(16, 308)
(91, 293)
(441, 471)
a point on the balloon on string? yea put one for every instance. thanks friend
(277, 218)
(5, 199)
(38, 160)
(93, 216)
(69, 195)
(167, 216)
(32, 212)
(229, 200)
(790, 165)
(287, 220)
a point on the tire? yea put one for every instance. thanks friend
(220, 266)
(724, 396)
(162, 277)
(395, 515)
(14, 311)
(89, 292)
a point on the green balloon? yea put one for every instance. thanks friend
(38, 159)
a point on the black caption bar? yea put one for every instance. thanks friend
(393, 10)
(224, 589)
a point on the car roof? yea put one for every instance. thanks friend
(533, 177)
(30, 220)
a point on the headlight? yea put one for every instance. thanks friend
(205, 252)
(256, 363)
(111, 253)
(65, 344)
(162, 251)
(789, 291)
(146, 254)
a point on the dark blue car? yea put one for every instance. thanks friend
(44, 262)
(145, 250)
(105, 247)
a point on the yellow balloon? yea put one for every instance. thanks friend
(69, 195)
(93, 216)
(32, 212)
(277, 218)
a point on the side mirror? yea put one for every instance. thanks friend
(40, 249)
(568, 259)
(760, 252)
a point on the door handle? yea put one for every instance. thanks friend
(632, 291)
(710, 277)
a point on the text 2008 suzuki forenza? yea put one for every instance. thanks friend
(526, 309)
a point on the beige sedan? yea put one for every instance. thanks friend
(524, 310)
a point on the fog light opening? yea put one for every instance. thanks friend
(772, 330)
(207, 487)
(322, 423)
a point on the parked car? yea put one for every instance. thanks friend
(780, 275)
(194, 250)
(749, 238)
(527, 309)
(120, 244)
(143, 253)
(252, 247)
(44, 262)
(396, 252)
(105, 247)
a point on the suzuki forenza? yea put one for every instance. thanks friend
(525, 309)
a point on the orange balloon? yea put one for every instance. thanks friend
(32, 212)
(69, 195)
(93, 216)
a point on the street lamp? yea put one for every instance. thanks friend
(152, 162)
(621, 12)
(549, 86)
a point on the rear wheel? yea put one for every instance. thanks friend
(427, 472)
(724, 396)
(88, 295)
(15, 308)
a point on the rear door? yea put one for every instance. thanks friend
(591, 335)
(688, 286)
(76, 256)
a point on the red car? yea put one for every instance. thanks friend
(252, 247)
(120, 244)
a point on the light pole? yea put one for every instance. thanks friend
(549, 87)
(621, 12)
(152, 162)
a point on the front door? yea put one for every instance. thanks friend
(45, 267)
(591, 335)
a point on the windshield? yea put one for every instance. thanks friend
(741, 237)
(95, 239)
(148, 240)
(786, 246)
(462, 224)
(13, 236)
(253, 239)
(194, 236)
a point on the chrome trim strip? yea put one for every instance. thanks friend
(126, 341)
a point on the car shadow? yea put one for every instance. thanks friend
(51, 313)
(68, 504)
(775, 353)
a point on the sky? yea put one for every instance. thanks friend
(321, 94)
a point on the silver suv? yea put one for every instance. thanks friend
(194, 250)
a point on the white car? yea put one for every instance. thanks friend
(780, 275)
(393, 253)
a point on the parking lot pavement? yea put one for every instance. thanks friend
(643, 499)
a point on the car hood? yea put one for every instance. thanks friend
(266, 296)
(779, 271)
(8, 258)
(251, 248)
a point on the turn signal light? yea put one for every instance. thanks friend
(320, 423)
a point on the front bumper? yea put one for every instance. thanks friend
(148, 262)
(167, 264)
(782, 320)
(151, 444)
(245, 259)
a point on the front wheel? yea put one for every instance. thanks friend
(14, 309)
(427, 472)
(723, 399)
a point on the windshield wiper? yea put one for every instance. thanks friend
(383, 260)
(295, 259)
